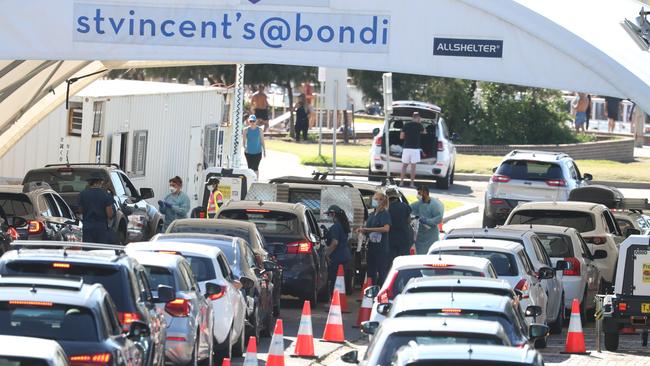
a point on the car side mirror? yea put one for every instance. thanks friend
(533, 311)
(587, 177)
(562, 265)
(351, 357)
(519, 293)
(137, 330)
(631, 231)
(375, 132)
(270, 266)
(383, 309)
(494, 170)
(369, 327)
(536, 331)
(546, 273)
(599, 254)
(246, 282)
(146, 193)
(165, 294)
(371, 292)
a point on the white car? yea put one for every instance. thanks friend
(473, 285)
(595, 223)
(511, 263)
(582, 280)
(539, 259)
(28, 351)
(414, 266)
(438, 150)
(209, 265)
(467, 355)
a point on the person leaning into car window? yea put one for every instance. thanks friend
(176, 205)
(337, 251)
(377, 228)
(96, 206)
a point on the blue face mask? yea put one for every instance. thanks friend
(374, 203)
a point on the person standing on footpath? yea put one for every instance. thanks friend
(377, 228)
(400, 237)
(176, 205)
(412, 146)
(254, 147)
(611, 110)
(260, 102)
(302, 120)
(579, 107)
(338, 249)
(96, 206)
(429, 212)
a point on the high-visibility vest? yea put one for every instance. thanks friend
(214, 203)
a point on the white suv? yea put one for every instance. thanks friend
(438, 150)
(525, 176)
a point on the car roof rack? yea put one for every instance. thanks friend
(41, 244)
(558, 155)
(55, 282)
(301, 180)
(32, 186)
(83, 164)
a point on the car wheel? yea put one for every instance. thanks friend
(238, 348)
(195, 353)
(556, 327)
(270, 325)
(313, 298)
(488, 221)
(255, 323)
(540, 343)
(371, 176)
(226, 351)
(453, 175)
(210, 360)
(445, 182)
(611, 342)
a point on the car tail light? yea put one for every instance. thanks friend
(556, 182)
(451, 311)
(61, 265)
(439, 265)
(520, 345)
(441, 146)
(575, 267)
(598, 240)
(496, 201)
(622, 306)
(523, 286)
(13, 233)
(300, 247)
(219, 295)
(96, 359)
(257, 210)
(168, 252)
(127, 318)
(498, 178)
(176, 339)
(46, 304)
(385, 295)
(201, 215)
(379, 141)
(35, 227)
(178, 308)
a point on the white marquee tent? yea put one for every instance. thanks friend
(579, 45)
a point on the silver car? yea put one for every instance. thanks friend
(467, 355)
(15, 350)
(189, 316)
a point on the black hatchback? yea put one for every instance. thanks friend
(293, 236)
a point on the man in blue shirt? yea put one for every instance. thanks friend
(96, 206)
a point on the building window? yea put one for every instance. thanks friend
(98, 118)
(75, 118)
(139, 153)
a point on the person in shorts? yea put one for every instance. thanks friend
(254, 147)
(580, 105)
(260, 102)
(611, 109)
(412, 146)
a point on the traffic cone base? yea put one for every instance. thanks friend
(340, 286)
(305, 341)
(334, 326)
(575, 340)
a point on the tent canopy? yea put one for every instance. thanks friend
(578, 45)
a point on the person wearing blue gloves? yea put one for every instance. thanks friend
(430, 212)
(176, 205)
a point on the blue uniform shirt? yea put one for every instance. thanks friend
(93, 203)
(378, 219)
(341, 254)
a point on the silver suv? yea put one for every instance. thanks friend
(525, 176)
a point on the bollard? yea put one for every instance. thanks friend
(598, 315)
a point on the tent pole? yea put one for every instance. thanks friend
(237, 118)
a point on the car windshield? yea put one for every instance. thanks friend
(398, 340)
(22, 361)
(160, 276)
(581, 221)
(16, 205)
(110, 277)
(267, 222)
(404, 275)
(62, 180)
(46, 320)
(226, 247)
(530, 170)
(557, 246)
(200, 229)
(503, 263)
(202, 267)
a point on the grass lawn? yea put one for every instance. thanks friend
(372, 121)
(347, 156)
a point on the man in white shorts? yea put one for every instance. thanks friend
(412, 146)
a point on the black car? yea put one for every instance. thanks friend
(239, 229)
(80, 317)
(135, 218)
(293, 236)
(36, 212)
(122, 276)
(260, 317)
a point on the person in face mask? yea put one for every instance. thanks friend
(215, 201)
(377, 229)
(401, 234)
(430, 212)
(177, 204)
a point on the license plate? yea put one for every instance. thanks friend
(645, 308)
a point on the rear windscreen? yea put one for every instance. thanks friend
(111, 278)
(462, 289)
(16, 205)
(22, 361)
(64, 180)
(202, 267)
(530, 170)
(504, 263)
(557, 246)
(237, 233)
(268, 223)
(581, 221)
(47, 320)
(160, 276)
(404, 275)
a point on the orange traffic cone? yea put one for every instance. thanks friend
(575, 340)
(251, 353)
(412, 250)
(226, 362)
(339, 285)
(334, 326)
(366, 305)
(628, 330)
(276, 349)
(305, 340)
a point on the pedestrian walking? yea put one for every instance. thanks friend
(254, 147)
(400, 237)
(412, 146)
(429, 211)
(176, 205)
(579, 108)
(260, 102)
(302, 120)
(377, 229)
(588, 112)
(215, 200)
(338, 249)
(96, 206)
(611, 110)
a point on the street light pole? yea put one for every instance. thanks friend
(388, 109)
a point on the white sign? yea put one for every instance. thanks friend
(336, 89)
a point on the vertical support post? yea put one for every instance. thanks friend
(598, 314)
(388, 109)
(638, 124)
(236, 118)
(336, 122)
(321, 110)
